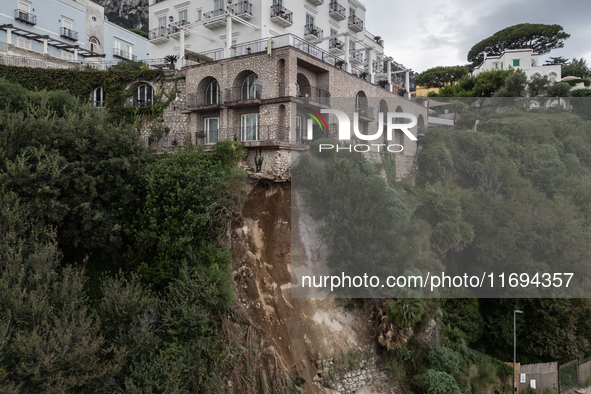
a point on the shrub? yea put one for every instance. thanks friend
(436, 382)
(444, 359)
(406, 311)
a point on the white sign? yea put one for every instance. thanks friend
(532, 383)
(522, 378)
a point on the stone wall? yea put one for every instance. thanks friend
(276, 163)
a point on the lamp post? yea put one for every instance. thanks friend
(515, 311)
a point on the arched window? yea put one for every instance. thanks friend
(98, 97)
(143, 96)
(552, 77)
(212, 93)
(94, 45)
(251, 88)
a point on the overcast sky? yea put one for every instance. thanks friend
(426, 33)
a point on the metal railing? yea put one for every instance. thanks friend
(26, 17)
(253, 92)
(203, 98)
(249, 134)
(124, 55)
(314, 51)
(282, 12)
(355, 21)
(366, 112)
(336, 43)
(241, 8)
(357, 55)
(69, 33)
(313, 94)
(251, 47)
(339, 9)
(213, 14)
(158, 32)
(176, 26)
(313, 30)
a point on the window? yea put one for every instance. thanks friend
(199, 14)
(298, 129)
(24, 7)
(143, 96)
(23, 42)
(552, 77)
(69, 56)
(515, 62)
(212, 127)
(351, 11)
(278, 3)
(129, 52)
(183, 16)
(251, 88)
(218, 5)
(496, 65)
(162, 22)
(309, 20)
(212, 93)
(250, 127)
(98, 97)
(501, 65)
(94, 45)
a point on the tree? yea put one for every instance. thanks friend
(438, 77)
(515, 85)
(576, 68)
(557, 60)
(538, 85)
(440, 383)
(560, 89)
(539, 37)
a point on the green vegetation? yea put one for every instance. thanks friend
(541, 38)
(112, 276)
(439, 77)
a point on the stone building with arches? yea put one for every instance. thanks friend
(262, 99)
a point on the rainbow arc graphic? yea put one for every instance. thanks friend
(315, 115)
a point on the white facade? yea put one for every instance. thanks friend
(522, 59)
(336, 27)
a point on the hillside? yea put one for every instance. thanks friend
(131, 14)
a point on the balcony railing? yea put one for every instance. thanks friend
(251, 47)
(365, 112)
(26, 17)
(68, 33)
(176, 26)
(356, 56)
(123, 55)
(335, 43)
(312, 31)
(337, 10)
(314, 51)
(242, 8)
(159, 32)
(313, 94)
(254, 134)
(213, 14)
(282, 12)
(355, 23)
(243, 93)
(204, 98)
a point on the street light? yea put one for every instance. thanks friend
(515, 311)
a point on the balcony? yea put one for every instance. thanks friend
(312, 32)
(379, 67)
(69, 34)
(355, 24)
(158, 35)
(336, 46)
(214, 19)
(203, 101)
(255, 136)
(281, 15)
(244, 97)
(174, 29)
(312, 95)
(366, 113)
(242, 9)
(123, 55)
(337, 11)
(316, 2)
(355, 57)
(25, 17)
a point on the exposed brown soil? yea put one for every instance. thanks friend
(299, 331)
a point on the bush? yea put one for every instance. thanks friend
(406, 312)
(444, 360)
(436, 382)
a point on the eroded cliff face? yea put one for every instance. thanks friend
(127, 13)
(311, 337)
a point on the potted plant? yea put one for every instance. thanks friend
(171, 61)
(340, 63)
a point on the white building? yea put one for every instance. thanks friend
(334, 30)
(522, 59)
